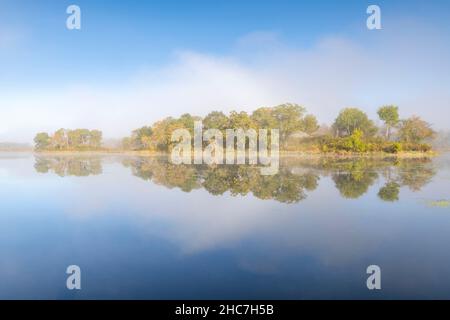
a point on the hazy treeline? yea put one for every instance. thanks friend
(12, 146)
(67, 140)
(355, 132)
(442, 140)
(288, 118)
(352, 131)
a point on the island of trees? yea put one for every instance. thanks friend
(69, 140)
(351, 132)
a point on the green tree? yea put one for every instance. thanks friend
(74, 138)
(351, 119)
(60, 140)
(42, 141)
(264, 118)
(83, 139)
(187, 121)
(289, 119)
(78, 138)
(95, 140)
(241, 120)
(162, 133)
(85, 136)
(310, 124)
(140, 138)
(389, 115)
(415, 130)
(356, 141)
(64, 139)
(216, 120)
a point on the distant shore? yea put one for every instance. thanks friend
(301, 154)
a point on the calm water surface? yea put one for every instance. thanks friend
(141, 228)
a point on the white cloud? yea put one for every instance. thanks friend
(406, 67)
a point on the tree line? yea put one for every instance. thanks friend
(352, 131)
(288, 118)
(69, 140)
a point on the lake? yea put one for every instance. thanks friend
(142, 228)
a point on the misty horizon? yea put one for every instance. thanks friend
(256, 154)
(91, 81)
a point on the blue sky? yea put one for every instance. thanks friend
(144, 50)
(136, 33)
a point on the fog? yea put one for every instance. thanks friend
(407, 66)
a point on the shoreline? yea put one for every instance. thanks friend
(300, 154)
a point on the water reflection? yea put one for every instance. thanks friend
(63, 166)
(237, 180)
(297, 176)
(353, 177)
(163, 231)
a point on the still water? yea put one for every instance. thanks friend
(142, 228)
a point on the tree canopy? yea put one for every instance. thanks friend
(389, 115)
(65, 140)
(352, 131)
(415, 130)
(351, 119)
(287, 118)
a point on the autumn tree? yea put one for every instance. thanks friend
(162, 133)
(140, 138)
(415, 130)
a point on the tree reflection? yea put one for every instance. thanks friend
(390, 192)
(353, 185)
(354, 179)
(296, 177)
(69, 166)
(411, 173)
(238, 180)
(164, 173)
(415, 173)
(354, 176)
